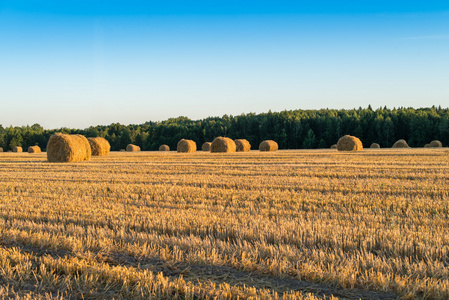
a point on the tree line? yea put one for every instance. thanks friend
(294, 129)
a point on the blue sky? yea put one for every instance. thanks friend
(84, 63)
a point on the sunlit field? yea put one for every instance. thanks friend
(291, 224)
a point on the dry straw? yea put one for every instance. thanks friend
(435, 144)
(242, 145)
(374, 146)
(186, 146)
(68, 148)
(334, 146)
(400, 144)
(206, 146)
(1, 149)
(17, 149)
(349, 143)
(164, 148)
(132, 148)
(99, 146)
(34, 149)
(222, 144)
(268, 145)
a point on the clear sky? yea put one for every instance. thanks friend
(82, 63)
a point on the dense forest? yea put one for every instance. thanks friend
(295, 129)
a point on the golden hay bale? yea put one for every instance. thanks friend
(17, 149)
(268, 145)
(400, 144)
(132, 148)
(164, 148)
(34, 149)
(349, 143)
(374, 146)
(427, 146)
(242, 145)
(435, 144)
(186, 146)
(99, 146)
(68, 148)
(334, 146)
(222, 144)
(1, 149)
(122, 150)
(206, 146)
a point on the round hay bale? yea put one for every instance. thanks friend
(400, 144)
(206, 146)
(68, 148)
(1, 149)
(349, 143)
(374, 146)
(99, 146)
(186, 146)
(164, 148)
(17, 149)
(122, 150)
(268, 145)
(334, 146)
(242, 145)
(34, 149)
(132, 148)
(435, 144)
(222, 144)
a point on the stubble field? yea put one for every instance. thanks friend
(291, 224)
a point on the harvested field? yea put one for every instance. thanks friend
(298, 224)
